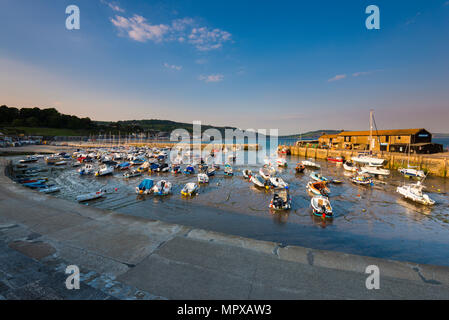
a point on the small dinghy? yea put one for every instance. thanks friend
(176, 169)
(132, 174)
(281, 200)
(50, 189)
(335, 159)
(228, 170)
(247, 173)
(29, 159)
(90, 196)
(281, 162)
(318, 177)
(266, 172)
(311, 164)
(124, 166)
(60, 163)
(318, 188)
(145, 187)
(375, 170)
(299, 167)
(260, 182)
(278, 182)
(189, 170)
(211, 172)
(163, 168)
(321, 207)
(414, 193)
(162, 188)
(349, 166)
(104, 170)
(362, 179)
(203, 178)
(412, 173)
(154, 167)
(189, 189)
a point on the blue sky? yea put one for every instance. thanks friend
(292, 65)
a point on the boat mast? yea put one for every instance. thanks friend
(371, 130)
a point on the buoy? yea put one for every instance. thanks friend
(116, 189)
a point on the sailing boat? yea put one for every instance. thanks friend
(366, 157)
(410, 171)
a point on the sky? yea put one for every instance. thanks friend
(289, 65)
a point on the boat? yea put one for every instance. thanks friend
(368, 159)
(258, 181)
(29, 159)
(266, 172)
(362, 179)
(412, 173)
(278, 182)
(104, 170)
(145, 187)
(87, 169)
(124, 166)
(203, 178)
(318, 177)
(247, 173)
(154, 167)
(90, 196)
(321, 207)
(281, 162)
(310, 164)
(414, 193)
(132, 174)
(164, 167)
(299, 167)
(189, 170)
(228, 170)
(335, 159)
(318, 188)
(35, 185)
(375, 170)
(50, 189)
(176, 168)
(211, 171)
(162, 188)
(349, 166)
(189, 189)
(281, 200)
(60, 163)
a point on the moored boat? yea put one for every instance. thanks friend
(318, 188)
(247, 173)
(189, 189)
(281, 200)
(412, 173)
(145, 187)
(228, 170)
(414, 193)
(90, 196)
(162, 188)
(278, 182)
(318, 176)
(203, 178)
(300, 167)
(258, 181)
(321, 207)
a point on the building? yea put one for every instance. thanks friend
(397, 140)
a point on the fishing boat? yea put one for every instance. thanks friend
(362, 179)
(162, 188)
(29, 159)
(318, 177)
(258, 181)
(132, 174)
(414, 193)
(321, 207)
(247, 173)
(281, 162)
(145, 187)
(281, 200)
(335, 159)
(412, 173)
(309, 163)
(104, 170)
(375, 170)
(318, 188)
(299, 167)
(349, 166)
(278, 182)
(203, 178)
(189, 170)
(228, 170)
(189, 189)
(90, 196)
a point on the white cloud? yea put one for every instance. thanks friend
(172, 66)
(211, 78)
(337, 77)
(179, 30)
(113, 6)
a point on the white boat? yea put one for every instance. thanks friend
(189, 189)
(281, 200)
(310, 164)
(50, 189)
(408, 172)
(414, 193)
(203, 178)
(104, 170)
(321, 207)
(247, 173)
(132, 174)
(258, 181)
(278, 182)
(375, 170)
(90, 196)
(369, 160)
(29, 159)
(281, 162)
(162, 188)
(349, 166)
(318, 176)
(362, 179)
(87, 169)
(266, 172)
(228, 170)
(318, 188)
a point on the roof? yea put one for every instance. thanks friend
(328, 136)
(394, 132)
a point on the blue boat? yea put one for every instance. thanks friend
(189, 170)
(154, 166)
(145, 186)
(318, 177)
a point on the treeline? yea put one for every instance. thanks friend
(48, 118)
